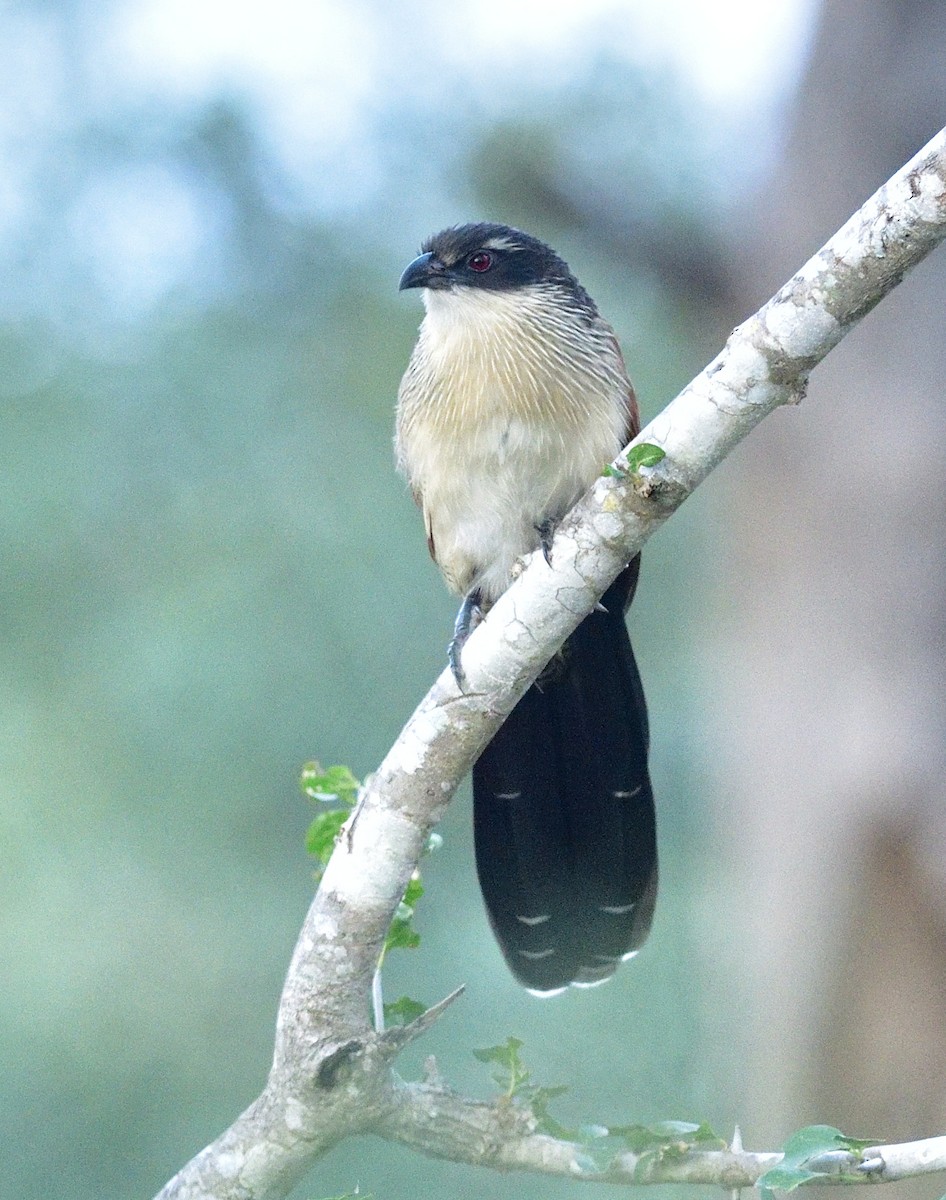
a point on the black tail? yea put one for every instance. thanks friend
(563, 812)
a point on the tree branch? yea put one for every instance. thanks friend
(440, 1123)
(331, 1073)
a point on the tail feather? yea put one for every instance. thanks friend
(564, 814)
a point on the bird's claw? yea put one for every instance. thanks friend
(546, 531)
(468, 618)
(456, 667)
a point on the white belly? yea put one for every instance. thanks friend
(486, 494)
(500, 431)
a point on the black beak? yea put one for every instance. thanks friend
(424, 271)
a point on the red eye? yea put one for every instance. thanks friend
(480, 261)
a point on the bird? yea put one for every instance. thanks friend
(514, 399)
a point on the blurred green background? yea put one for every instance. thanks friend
(211, 573)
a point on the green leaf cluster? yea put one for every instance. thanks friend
(335, 789)
(332, 785)
(600, 1144)
(515, 1080)
(812, 1154)
(511, 1074)
(661, 1142)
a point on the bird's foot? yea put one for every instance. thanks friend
(468, 618)
(546, 531)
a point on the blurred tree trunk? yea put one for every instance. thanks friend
(832, 668)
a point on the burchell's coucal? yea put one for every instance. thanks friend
(515, 398)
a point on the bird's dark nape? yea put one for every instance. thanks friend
(564, 820)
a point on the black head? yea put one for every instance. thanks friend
(487, 256)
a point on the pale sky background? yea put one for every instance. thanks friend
(314, 70)
(334, 50)
(317, 79)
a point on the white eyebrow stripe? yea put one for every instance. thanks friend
(617, 910)
(507, 795)
(532, 955)
(534, 920)
(627, 795)
(501, 243)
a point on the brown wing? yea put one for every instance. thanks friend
(418, 498)
(633, 426)
(429, 528)
(626, 583)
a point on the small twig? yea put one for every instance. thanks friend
(406, 1034)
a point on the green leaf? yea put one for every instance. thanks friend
(858, 1145)
(589, 1133)
(802, 1152)
(707, 1138)
(322, 834)
(505, 1055)
(336, 785)
(599, 1147)
(539, 1100)
(637, 1138)
(403, 1010)
(645, 454)
(808, 1143)
(706, 1135)
(513, 1076)
(673, 1131)
(812, 1140)
(401, 936)
(413, 892)
(668, 1137)
(785, 1179)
